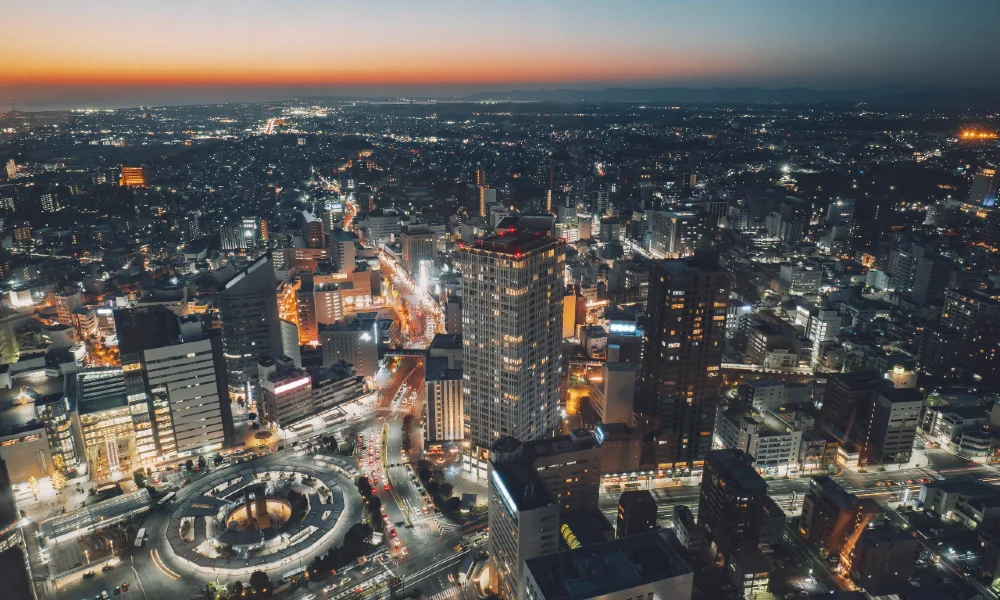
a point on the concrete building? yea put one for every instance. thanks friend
(419, 244)
(15, 566)
(893, 427)
(512, 295)
(831, 516)
(178, 371)
(800, 279)
(732, 497)
(524, 523)
(66, 304)
(641, 566)
(382, 226)
(636, 513)
(773, 443)
(882, 559)
(355, 341)
(613, 397)
(763, 394)
(248, 312)
(285, 392)
(443, 405)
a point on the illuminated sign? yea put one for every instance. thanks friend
(599, 434)
(622, 327)
(292, 385)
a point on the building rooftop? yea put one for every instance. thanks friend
(436, 369)
(751, 561)
(107, 510)
(513, 243)
(605, 568)
(964, 486)
(446, 341)
(520, 487)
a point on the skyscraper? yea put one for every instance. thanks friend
(985, 188)
(512, 294)
(178, 372)
(248, 310)
(686, 329)
(731, 506)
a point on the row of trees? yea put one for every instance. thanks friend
(357, 543)
(438, 487)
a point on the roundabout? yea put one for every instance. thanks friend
(263, 515)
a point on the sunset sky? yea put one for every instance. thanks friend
(63, 53)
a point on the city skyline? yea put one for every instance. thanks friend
(219, 52)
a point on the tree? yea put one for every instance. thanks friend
(137, 475)
(58, 479)
(260, 582)
(395, 584)
(189, 464)
(237, 589)
(202, 463)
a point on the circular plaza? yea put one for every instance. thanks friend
(261, 515)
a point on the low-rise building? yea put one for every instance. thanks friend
(640, 566)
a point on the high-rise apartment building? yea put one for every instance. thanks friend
(315, 235)
(833, 518)
(11, 169)
(686, 330)
(133, 177)
(730, 507)
(248, 311)
(512, 294)
(305, 306)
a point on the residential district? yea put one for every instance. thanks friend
(531, 351)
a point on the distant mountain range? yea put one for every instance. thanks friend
(887, 96)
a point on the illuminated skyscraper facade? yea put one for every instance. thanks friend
(512, 294)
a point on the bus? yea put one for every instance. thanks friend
(295, 575)
(140, 538)
(166, 500)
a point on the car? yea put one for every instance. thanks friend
(910, 481)
(89, 574)
(126, 586)
(105, 595)
(879, 484)
(392, 531)
(925, 480)
(385, 517)
(118, 590)
(890, 482)
(405, 551)
(386, 487)
(106, 568)
(374, 491)
(425, 510)
(398, 542)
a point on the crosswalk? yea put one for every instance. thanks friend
(447, 594)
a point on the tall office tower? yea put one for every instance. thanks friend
(636, 513)
(512, 296)
(263, 232)
(931, 277)
(848, 402)
(602, 201)
(873, 220)
(305, 304)
(480, 177)
(315, 235)
(419, 244)
(133, 177)
(50, 203)
(344, 251)
(824, 326)
(248, 311)
(840, 211)
(252, 231)
(15, 568)
(569, 466)
(355, 342)
(231, 237)
(892, 428)
(11, 169)
(524, 523)
(173, 367)
(731, 505)
(442, 391)
(285, 392)
(487, 196)
(548, 202)
(985, 188)
(686, 330)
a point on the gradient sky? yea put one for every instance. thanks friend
(119, 53)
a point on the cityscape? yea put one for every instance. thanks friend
(497, 333)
